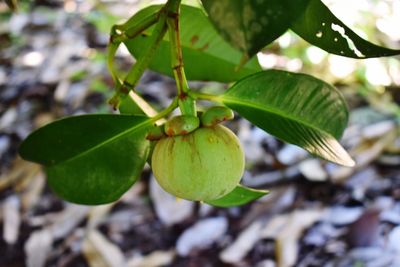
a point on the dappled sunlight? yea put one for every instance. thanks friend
(307, 175)
(32, 59)
(341, 67)
(376, 72)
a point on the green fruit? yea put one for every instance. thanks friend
(215, 115)
(180, 125)
(203, 165)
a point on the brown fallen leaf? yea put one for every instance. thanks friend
(32, 193)
(100, 252)
(21, 170)
(243, 244)
(287, 230)
(65, 221)
(168, 208)
(201, 235)
(366, 152)
(37, 248)
(364, 232)
(154, 259)
(11, 219)
(97, 214)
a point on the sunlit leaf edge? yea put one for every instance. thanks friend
(362, 51)
(241, 195)
(323, 144)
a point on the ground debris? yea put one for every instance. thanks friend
(317, 214)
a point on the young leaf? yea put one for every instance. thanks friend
(206, 55)
(318, 26)
(241, 195)
(296, 108)
(90, 159)
(251, 25)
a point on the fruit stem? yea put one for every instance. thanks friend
(112, 49)
(165, 112)
(144, 60)
(137, 102)
(187, 104)
(132, 28)
(203, 96)
(121, 33)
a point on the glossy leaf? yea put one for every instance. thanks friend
(128, 106)
(206, 55)
(241, 195)
(296, 108)
(319, 26)
(90, 159)
(251, 25)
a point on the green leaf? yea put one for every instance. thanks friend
(251, 25)
(134, 104)
(128, 106)
(241, 195)
(206, 55)
(296, 108)
(90, 159)
(318, 26)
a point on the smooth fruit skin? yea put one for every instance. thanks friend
(203, 165)
(215, 115)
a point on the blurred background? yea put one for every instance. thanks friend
(52, 64)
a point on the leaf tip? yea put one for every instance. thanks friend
(349, 162)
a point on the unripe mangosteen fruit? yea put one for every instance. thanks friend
(205, 164)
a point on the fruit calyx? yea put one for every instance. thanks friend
(216, 115)
(181, 125)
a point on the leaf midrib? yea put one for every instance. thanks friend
(107, 141)
(316, 143)
(273, 111)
